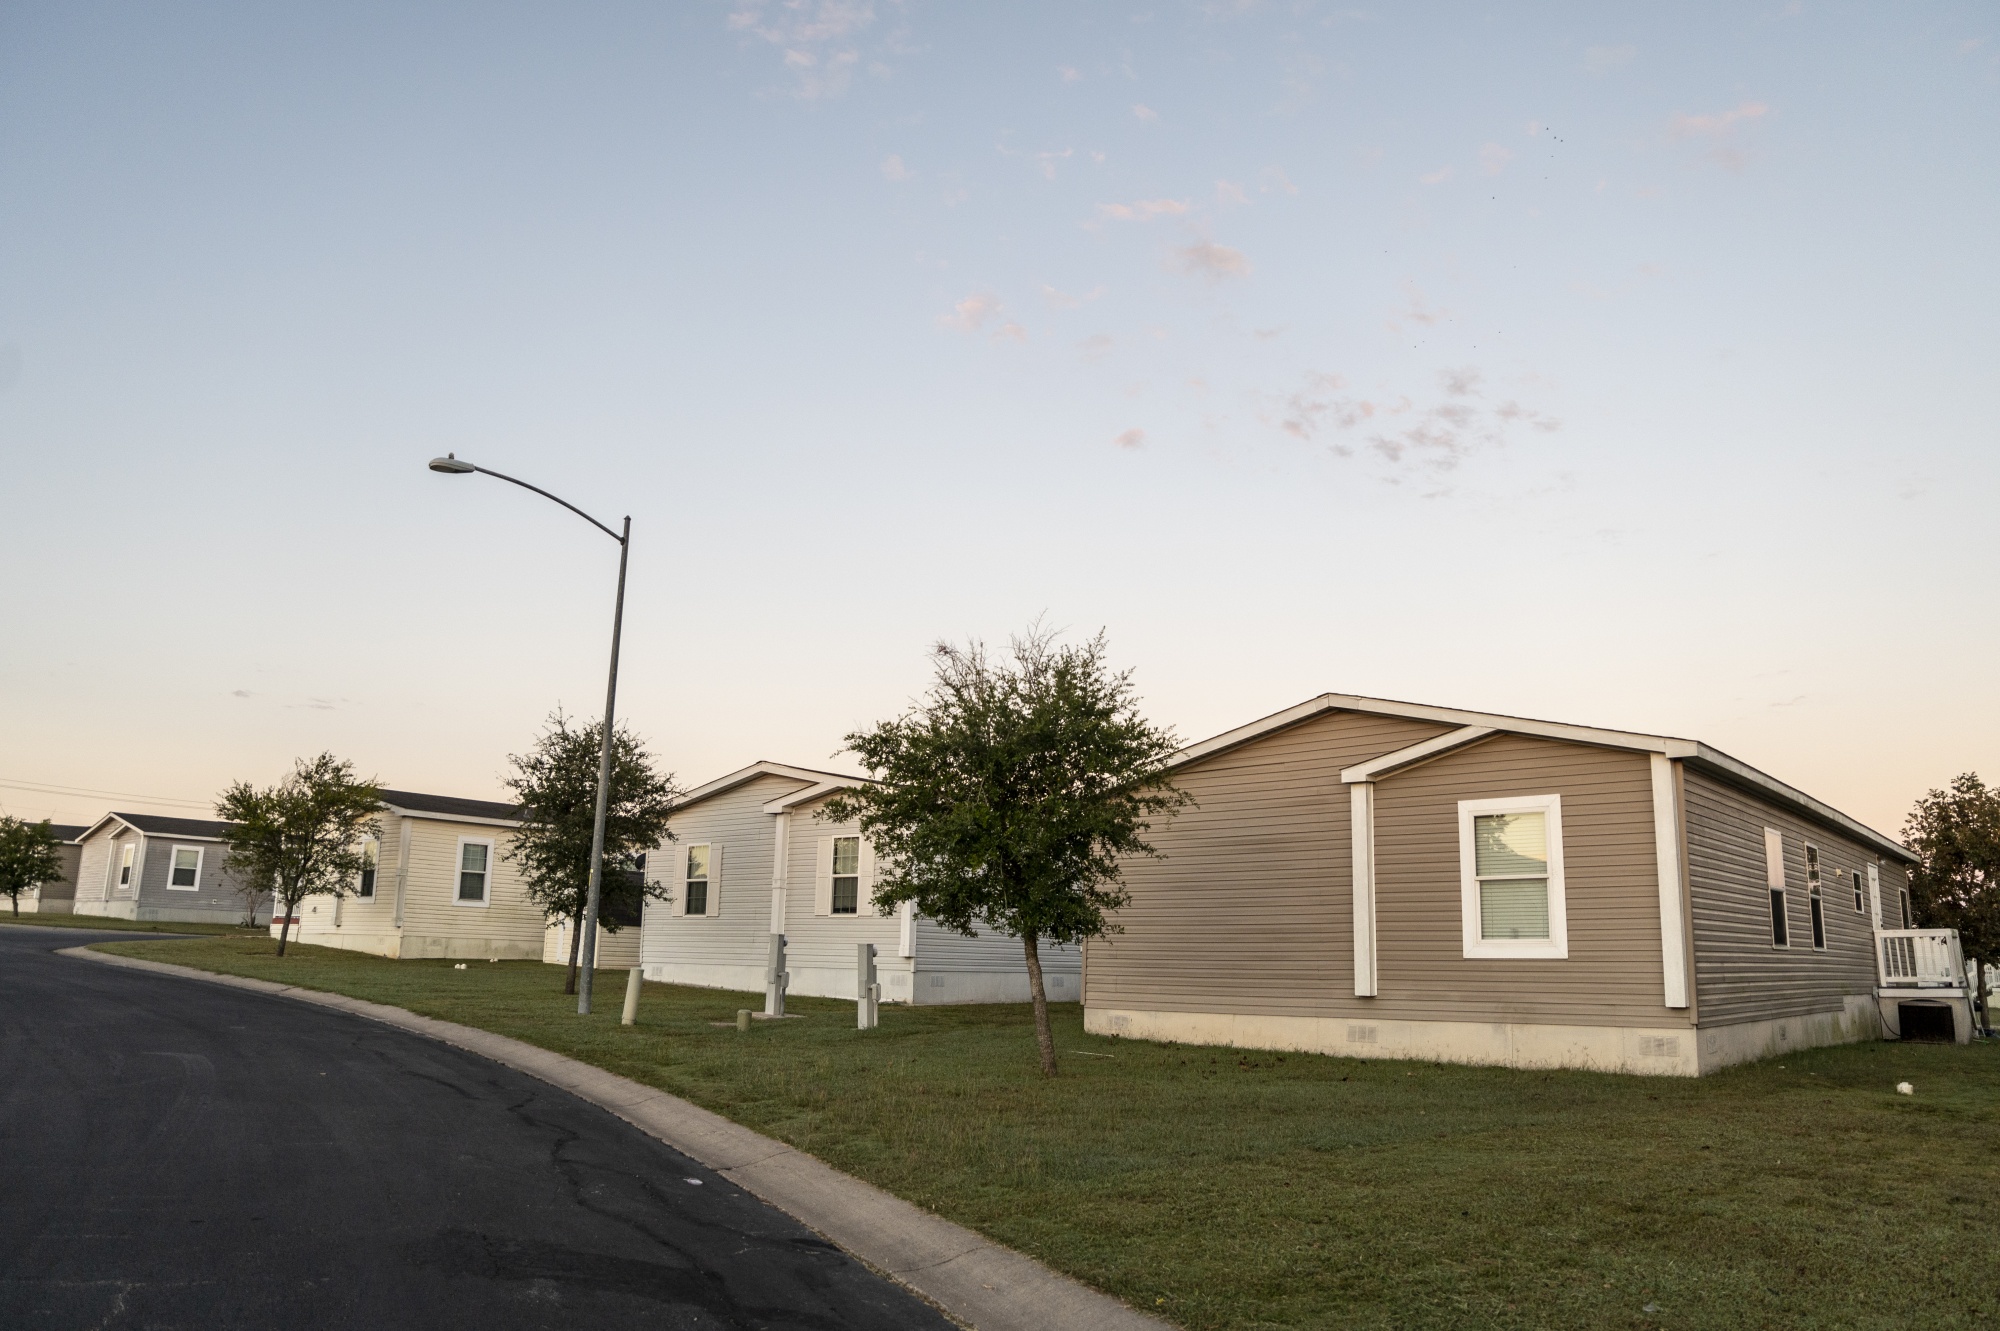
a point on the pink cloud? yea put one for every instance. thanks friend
(1215, 262)
(1133, 438)
(1716, 124)
(1143, 210)
(970, 315)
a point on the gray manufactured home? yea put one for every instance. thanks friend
(1386, 879)
(140, 866)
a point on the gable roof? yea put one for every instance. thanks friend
(152, 824)
(1694, 753)
(68, 831)
(807, 776)
(450, 806)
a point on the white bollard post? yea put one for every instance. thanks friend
(775, 978)
(867, 993)
(631, 1013)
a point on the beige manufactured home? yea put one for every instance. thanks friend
(1385, 879)
(752, 857)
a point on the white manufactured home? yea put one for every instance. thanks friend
(753, 857)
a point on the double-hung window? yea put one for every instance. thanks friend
(185, 873)
(364, 886)
(846, 875)
(1859, 906)
(475, 867)
(1814, 902)
(1511, 876)
(696, 895)
(125, 858)
(1774, 881)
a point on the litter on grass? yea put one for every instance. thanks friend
(1904, 1088)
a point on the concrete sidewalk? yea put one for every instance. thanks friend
(978, 1282)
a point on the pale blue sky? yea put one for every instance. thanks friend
(1629, 368)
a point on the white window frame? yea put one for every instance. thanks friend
(1815, 896)
(374, 845)
(173, 853)
(833, 878)
(458, 868)
(126, 873)
(1776, 891)
(1860, 896)
(1556, 946)
(708, 883)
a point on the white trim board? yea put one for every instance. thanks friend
(807, 775)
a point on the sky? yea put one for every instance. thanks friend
(1627, 366)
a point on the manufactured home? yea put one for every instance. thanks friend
(752, 857)
(1386, 879)
(141, 866)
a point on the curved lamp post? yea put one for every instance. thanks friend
(450, 465)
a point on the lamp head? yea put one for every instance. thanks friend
(451, 466)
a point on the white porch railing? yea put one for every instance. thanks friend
(1919, 959)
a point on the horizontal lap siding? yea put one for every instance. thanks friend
(739, 933)
(942, 949)
(827, 941)
(430, 891)
(1613, 974)
(377, 916)
(1739, 975)
(92, 866)
(1251, 909)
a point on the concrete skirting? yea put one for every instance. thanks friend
(1746, 1042)
(698, 975)
(1667, 1051)
(1006, 986)
(975, 1280)
(117, 908)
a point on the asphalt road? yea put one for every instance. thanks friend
(176, 1154)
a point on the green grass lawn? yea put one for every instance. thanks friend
(37, 919)
(1223, 1188)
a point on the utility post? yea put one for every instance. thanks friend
(775, 978)
(867, 993)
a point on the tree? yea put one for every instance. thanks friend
(303, 835)
(556, 783)
(1956, 884)
(30, 855)
(1006, 798)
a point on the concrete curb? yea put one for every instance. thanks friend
(975, 1280)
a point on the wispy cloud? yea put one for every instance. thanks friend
(818, 39)
(1097, 346)
(1601, 60)
(1404, 438)
(1230, 192)
(970, 315)
(1133, 438)
(1718, 129)
(1417, 310)
(1069, 73)
(1493, 159)
(1142, 112)
(1215, 262)
(1274, 180)
(1437, 177)
(1045, 161)
(893, 168)
(1143, 210)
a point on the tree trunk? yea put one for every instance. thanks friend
(1045, 1039)
(284, 928)
(575, 947)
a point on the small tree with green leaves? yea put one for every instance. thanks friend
(302, 836)
(30, 855)
(556, 783)
(1956, 885)
(1007, 797)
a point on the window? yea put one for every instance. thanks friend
(1815, 904)
(1774, 878)
(846, 875)
(698, 861)
(474, 866)
(1909, 919)
(185, 875)
(364, 887)
(125, 854)
(1858, 907)
(1511, 873)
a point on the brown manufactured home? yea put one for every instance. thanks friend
(1386, 879)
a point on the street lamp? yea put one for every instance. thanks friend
(450, 465)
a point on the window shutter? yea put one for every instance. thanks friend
(677, 875)
(864, 897)
(1875, 893)
(823, 879)
(714, 879)
(1774, 858)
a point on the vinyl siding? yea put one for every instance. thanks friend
(435, 926)
(216, 892)
(738, 934)
(941, 949)
(1251, 909)
(826, 942)
(1613, 974)
(90, 869)
(1739, 975)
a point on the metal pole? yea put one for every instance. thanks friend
(596, 893)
